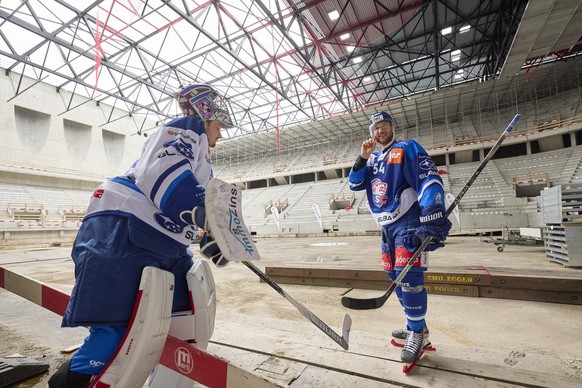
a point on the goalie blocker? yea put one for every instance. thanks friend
(225, 222)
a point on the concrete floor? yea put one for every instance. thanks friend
(479, 341)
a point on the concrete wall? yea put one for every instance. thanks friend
(47, 129)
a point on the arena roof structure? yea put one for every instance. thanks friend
(317, 67)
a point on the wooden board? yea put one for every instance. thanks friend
(372, 364)
(531, 295)
(505, 283)
(452, 289)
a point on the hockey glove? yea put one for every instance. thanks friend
(432, 223)
(196, 216)
(209, 249)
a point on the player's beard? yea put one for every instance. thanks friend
(388, 142)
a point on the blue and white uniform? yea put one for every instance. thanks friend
(400, 181)
(133, 221)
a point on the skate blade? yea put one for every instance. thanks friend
(396, 343)
(408, 367)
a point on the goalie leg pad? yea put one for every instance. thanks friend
(203, 293)
(197, 327)
(146, 335)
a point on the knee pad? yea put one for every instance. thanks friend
(413, 282)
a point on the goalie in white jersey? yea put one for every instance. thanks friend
(146, 217)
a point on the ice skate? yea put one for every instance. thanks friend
(399, 336)
(416, 345)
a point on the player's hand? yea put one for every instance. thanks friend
(368, 146)
(433, 223)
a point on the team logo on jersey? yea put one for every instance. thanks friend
(99, 192)
(166, 223)
(395, 156)
(379, 190)
(426, 163)
(438, 198)
(183, 134)
(181, 146)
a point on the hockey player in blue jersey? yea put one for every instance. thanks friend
(406, 198)
(145, 217)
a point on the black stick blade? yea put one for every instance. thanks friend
(364, 304)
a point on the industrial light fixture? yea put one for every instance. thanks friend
(456, 55)
(465, 28)
(446, 30)
(333, 15)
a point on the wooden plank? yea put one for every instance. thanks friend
(462, 276)
(535, 282)
(534, 285)
(22, 285)
(278, 337)
(327, 273)
(531, 295)
(452, 289)
(330, 282)
(468, 276)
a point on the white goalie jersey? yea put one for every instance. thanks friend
(167, 179)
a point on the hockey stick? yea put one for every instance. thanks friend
(347, 324)
(223, 204)
(374, 303)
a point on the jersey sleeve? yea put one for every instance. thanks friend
(357, 179)
(422, 175)
(167, 170)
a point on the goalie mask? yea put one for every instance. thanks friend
(376, 118)
(203, 102)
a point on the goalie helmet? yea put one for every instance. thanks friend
(204, 102)
(376, 118)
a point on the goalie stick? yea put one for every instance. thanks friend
(374, 303)
(223, 205)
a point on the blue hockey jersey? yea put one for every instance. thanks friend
(396, 178)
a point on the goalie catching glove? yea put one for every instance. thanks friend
(208, 246)
(432, 223)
